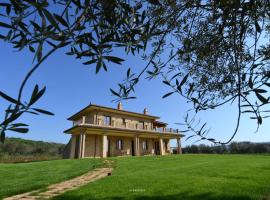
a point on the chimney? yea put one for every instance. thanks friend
(145, 111)
(119, 106)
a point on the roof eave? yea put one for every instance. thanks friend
(73, 117)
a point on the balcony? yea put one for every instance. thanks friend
(128, 126)
(166, 130)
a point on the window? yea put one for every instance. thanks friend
(107, 120)
(144, 145)
(123, 121)
(119, 144)
(141, 124)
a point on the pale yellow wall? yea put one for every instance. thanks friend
(90, 118)
(117, 120)
(73, 146)
(97, 117)
(90, 146)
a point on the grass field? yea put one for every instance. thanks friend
(190, 177)
(22, 177)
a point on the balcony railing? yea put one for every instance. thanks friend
(138, 126)
(159, 129)
(166, 130)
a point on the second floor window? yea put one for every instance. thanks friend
(107, 120)
(123, 121)
(140, 125)
(119, 144)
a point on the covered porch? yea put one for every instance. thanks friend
(96, 142)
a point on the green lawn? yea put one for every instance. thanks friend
(188, 177)
(18, 178)
(224, 177)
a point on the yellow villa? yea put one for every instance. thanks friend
(100, 131)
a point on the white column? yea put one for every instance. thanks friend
(179, 149)
(161, 146)
(83, 119)
(104, 146)
(72, 146)
(137, 146)
(82, 144)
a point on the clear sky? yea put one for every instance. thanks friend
(72, 85)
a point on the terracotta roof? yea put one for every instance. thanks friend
(104, 108)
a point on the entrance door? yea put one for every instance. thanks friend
(132, 148)
(157, 151)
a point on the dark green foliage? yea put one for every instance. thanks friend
(234, 148)
(17, 108)
(18, 150)
(90, 30)
(209, 52)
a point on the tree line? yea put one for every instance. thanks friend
(233, 148)
(16, 149)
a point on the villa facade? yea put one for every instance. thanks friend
(100, 131)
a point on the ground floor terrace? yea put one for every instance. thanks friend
(95, 142)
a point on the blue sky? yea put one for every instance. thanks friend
(71, 86)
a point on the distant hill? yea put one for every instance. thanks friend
(18, 150)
